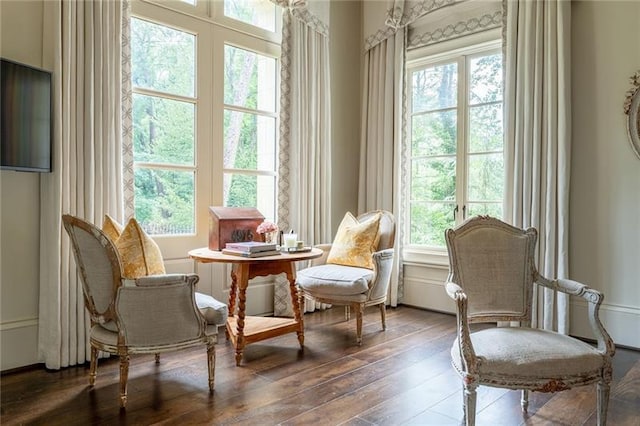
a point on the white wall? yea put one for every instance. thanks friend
(605, 173)
(346, 55)
(21, 41)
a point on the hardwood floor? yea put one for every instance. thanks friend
(400, 376)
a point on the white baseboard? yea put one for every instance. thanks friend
(18, 343)
(621, 322)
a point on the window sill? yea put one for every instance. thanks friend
(425, 257)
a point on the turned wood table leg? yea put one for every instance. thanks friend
(243, 281)
(296, 301)
(232, 295)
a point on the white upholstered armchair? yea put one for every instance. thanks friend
(151, 314)
(354, 281)
(491, 276)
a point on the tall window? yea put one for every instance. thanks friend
(205, 79)
(456, 144)
(164, 111)
(250, 138)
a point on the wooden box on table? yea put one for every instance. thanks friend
(233, 224)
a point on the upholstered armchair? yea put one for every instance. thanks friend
(149, 314)
(340, 277)
(491, 276)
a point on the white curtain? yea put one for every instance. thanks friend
(304, 199)
(538, 139)
(86, 180)
(381, 139)
(304, 171)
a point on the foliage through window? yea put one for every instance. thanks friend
(250, 130)
(164, 108)
(456, 143)
(260, 13)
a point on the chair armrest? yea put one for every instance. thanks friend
(465, 346)
(326, 248)
(382, 266)
(161, 311)
(594, 299)
(157, 280)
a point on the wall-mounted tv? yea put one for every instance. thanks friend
(25, 117)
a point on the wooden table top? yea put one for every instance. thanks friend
(205, 255)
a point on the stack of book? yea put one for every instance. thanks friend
(251, 249)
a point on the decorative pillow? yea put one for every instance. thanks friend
(140, 255)
(355, 242)
(111, 228)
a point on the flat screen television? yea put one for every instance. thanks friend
(25, 117)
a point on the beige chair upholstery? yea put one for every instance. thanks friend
(491, 276)
(152, 314)
(351, 286)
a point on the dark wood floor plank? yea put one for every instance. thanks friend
(401, 376)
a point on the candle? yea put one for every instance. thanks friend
(290, 240)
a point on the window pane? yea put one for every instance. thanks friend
(251, 191)
(162, 58)
(249, 141)
(164, 201)
(429, 221)
(261, 13)
(485, 79)
(485, 177)
(485, 128)
(491, 209)
(163, 130)
(433, 179)
(434, 133)
(249, 79)
(435, 88)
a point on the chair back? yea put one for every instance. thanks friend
(99, 266)
(494, 264)
(386, 228)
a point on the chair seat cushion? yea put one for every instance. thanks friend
(214, 311)
(529, 353)
(337, 280)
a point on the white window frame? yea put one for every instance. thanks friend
(213, 32)
(461, 54)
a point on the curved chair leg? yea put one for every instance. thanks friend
(470, 404)
(347, 313)
(157, 358)
(603, 402)
(93, 369)
(383, 315)
(124, 375)
(524, 401)
(359, 312)
(211, 364)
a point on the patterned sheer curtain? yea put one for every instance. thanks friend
(86, 181)
(538, 140)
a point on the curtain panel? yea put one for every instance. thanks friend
(381, 139)
(538, 140)
(304, 158)
(87, 179)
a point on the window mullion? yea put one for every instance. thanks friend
(462, 130)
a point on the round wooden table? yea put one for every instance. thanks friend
(242, 329)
